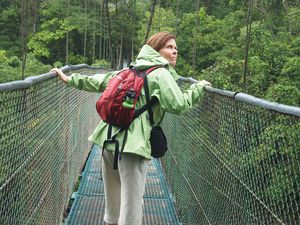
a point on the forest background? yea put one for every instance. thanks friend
(248, 46)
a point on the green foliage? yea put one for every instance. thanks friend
(185, 67)
(289, 94)
(35, 67)
(51, 31)
(291, 69)
(9, 22)
(102, 63)
(216, 47)
(218, 42)
(58, 64)
(10, 67)
(293, 20)
(279, 147)
(76, 59)
(163, 20)
(225, 74)
(257, 81)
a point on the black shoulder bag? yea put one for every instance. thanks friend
(157, 138)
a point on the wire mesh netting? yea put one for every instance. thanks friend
(43, 146)
(231, 161)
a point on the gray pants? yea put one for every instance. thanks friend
(124, 188)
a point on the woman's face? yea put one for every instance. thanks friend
(169, 51)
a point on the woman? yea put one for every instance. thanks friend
(124, 187)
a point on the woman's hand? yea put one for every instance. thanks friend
(204, 83)
(60, 74)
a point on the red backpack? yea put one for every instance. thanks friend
(116, 106)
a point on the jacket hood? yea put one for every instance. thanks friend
(148, 57)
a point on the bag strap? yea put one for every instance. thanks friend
(152, 101)
(149, 108)
(113, 140)
(149, 102)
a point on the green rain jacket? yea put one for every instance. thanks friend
(162, 85)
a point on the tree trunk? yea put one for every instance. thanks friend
(85, 29)
(67, 36)
(132, 45)
(111, 56)
(249, 21)
(286, 7)
(24, 34)
(207, 6)
(132, 31)
(94, 44)
(176, 20)
(159, 16)
(100, 29)
(120, 63)
(150, 20)
(116, 6)
(94, 32)
(35, 6)
(105, 49)
(196, 34)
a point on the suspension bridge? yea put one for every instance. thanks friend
(234, 159)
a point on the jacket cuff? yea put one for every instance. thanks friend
(70, 81)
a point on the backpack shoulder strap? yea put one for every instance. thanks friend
(149, 108)
(150, 102)
(151, 69)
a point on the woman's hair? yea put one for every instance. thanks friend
(158, 40)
